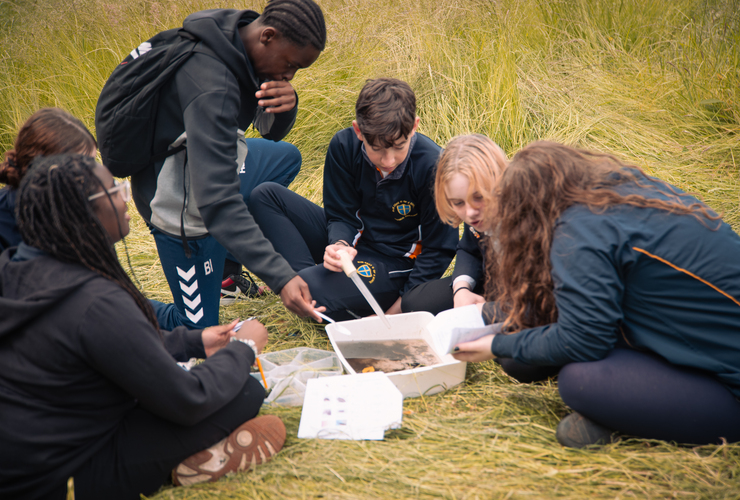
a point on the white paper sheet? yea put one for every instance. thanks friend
(449, 325)
(361, 406)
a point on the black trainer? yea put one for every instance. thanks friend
(246, 284)
(577, 431)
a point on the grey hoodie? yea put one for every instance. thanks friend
(211, 99)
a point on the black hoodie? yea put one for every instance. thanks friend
(77, 355)
(211, 97)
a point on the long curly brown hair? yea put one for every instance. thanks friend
(540, 183)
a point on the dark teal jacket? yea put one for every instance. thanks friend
(664, 283)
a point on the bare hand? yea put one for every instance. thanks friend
(276, 97)
(466, 297)
(255, 331)
(297, 298)
(395, 308)
(331, 257)
(217, 337)
(475, 351)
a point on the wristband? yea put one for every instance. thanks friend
(341, 242)
(461, 288)
(249, 342)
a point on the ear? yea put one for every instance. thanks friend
(416, 126)
(267, 35)
(357, 131)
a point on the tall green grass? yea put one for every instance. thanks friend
(656, 83)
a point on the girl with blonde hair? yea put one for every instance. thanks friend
(479, 161)
(467, 174)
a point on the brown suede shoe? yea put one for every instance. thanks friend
(252, 443)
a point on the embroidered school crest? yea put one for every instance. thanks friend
(404, 209)
(366, 270)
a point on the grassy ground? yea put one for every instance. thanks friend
(657, 83)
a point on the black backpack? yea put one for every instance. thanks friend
(127, 107)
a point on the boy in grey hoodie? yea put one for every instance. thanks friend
(239, 74)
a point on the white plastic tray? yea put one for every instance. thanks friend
(425, 380)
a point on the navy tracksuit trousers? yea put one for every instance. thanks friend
(297, 229)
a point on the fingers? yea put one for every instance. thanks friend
(331, 257)
(297, 297)
(475, 351)
(466, 298)
(332, 262)
(320, 309)
(229, 328)
(276, 97)
(255, 331)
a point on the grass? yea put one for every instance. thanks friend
(656, 83)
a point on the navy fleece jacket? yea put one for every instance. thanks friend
(393, 216)
(665, 283)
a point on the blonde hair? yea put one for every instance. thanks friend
(476, 157)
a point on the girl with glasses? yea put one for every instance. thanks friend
(90, 387)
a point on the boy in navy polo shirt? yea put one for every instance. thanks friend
(378, 207)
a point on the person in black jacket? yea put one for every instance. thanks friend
(469, 169)
(239, 74)
(378, 207)
(90, 387)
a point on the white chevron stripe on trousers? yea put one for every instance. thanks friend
(188, 291)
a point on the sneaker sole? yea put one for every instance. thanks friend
(228, 297)
(252, 443)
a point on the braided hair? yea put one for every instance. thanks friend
(300, 21)
(54, 215)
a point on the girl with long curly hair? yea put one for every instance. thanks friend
(629, 284)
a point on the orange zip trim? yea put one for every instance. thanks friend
(687, 272)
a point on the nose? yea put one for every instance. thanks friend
(470, 210)
(387, 160)
(289, 75)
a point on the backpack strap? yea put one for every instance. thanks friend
(183, 238)
(162, 65)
